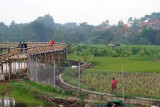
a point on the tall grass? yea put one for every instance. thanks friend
(21, 92)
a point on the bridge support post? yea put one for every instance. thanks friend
(59, 57)
(27, 68)
(45, 59)
(52, 58)
(6, 67)
(9, 69)
(42, 57)
(64, 55)
(55, 58)
(24, 64)
(36, 66)
(48, 58)
(2, 68)
(54, 74)
(41, 61)
(19, 65)
(15, 66)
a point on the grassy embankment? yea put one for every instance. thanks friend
(28, 92)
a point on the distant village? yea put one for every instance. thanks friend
(150, 23)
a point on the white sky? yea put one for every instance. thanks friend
(91, 11)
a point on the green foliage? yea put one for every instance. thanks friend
(26, 91)
(136, 84)
(141, 74)
(65, 64)
(135, 50)
(44, 29)
(133, 63)
(3, 89)
(21, 93)
(118, 51)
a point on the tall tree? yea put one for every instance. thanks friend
(130, 21)
(120, 23)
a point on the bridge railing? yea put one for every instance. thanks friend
(15, 44)
(29, 44)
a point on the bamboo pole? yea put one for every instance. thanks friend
(19, 65)
(122, 81)
(42, 59)
(55, 56)
(58, 57)
(6, 67)
(15, 66)
(79, 77)
(24, 64)
(52, 58)
(36, 67)
(2, 68)
(54, 74)
(9, 65)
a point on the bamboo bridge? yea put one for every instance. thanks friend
(12, 54)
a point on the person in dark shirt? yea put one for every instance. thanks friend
(25, 46)
(21, 47)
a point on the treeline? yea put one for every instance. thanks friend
(44, 29)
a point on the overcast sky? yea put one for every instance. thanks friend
(91, 11)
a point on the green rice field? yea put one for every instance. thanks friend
(141, 74)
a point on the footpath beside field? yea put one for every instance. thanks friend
(104, 97)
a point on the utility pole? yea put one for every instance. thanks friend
(79, 78)
(122, 81)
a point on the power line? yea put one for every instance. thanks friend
(83, 42)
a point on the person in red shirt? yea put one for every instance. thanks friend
(85, 59)
(114, 84)
(52, 42)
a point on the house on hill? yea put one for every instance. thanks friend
(125, 26)
(155, 24)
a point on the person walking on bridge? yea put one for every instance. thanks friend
(21, 47)
(52, 43)
(25, 46)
